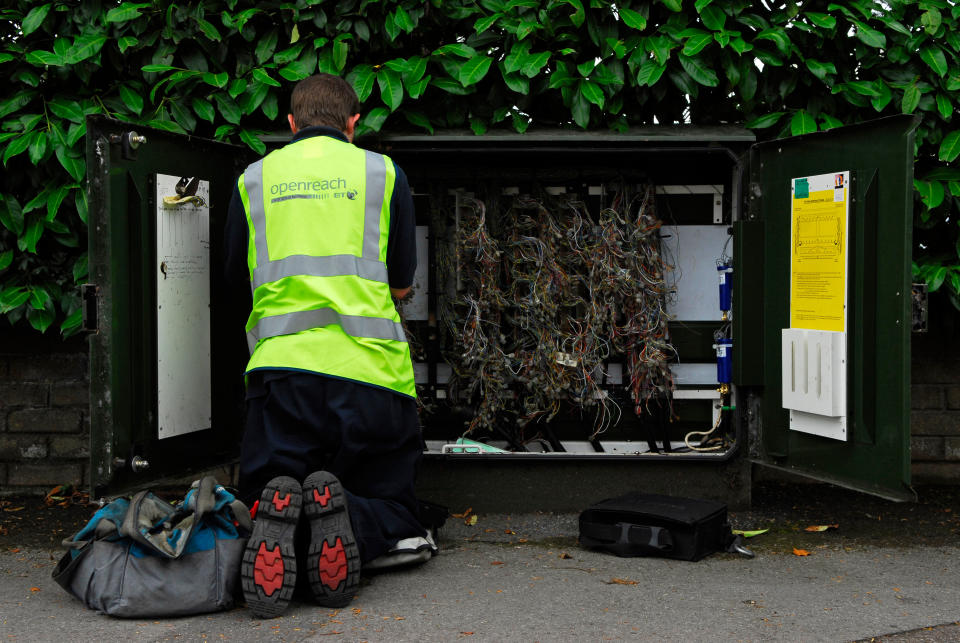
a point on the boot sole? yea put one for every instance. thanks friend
(268, 573)
(333, 560)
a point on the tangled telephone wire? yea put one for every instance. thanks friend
(547, 295)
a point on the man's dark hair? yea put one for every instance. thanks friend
(323, 99)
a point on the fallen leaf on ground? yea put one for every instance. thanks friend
(521, 540)
(464, 514)
(821, 527)
(622, 581)
(466, 633)
(34, 589)
(750, 533)
(800, 552)
(565, 556)
(472, 520)
(509, 531)
(496, 562)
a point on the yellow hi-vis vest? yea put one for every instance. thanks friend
(318, 215)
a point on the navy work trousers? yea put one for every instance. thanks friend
(368, 437)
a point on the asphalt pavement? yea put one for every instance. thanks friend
(879, 571)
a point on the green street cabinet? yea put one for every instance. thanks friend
(785, 268)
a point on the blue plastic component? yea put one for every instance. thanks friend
(724, 348)
(725, 272)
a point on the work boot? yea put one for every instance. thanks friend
(333, 560)
(269, 570)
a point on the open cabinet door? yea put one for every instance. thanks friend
(822, 323)
(166, 352)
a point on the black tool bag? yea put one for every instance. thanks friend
(642, 524)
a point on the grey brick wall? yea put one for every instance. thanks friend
(44, 420)
(935, 391)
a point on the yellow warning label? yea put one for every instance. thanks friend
(818, 266)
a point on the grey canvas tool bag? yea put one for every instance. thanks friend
(143, 557)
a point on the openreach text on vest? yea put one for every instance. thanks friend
(318, 189)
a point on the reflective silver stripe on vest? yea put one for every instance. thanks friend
(376, 184)
(353, 325)
(332, 266)
(373, 202)
(253, 181)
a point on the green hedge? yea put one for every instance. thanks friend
(224, 69)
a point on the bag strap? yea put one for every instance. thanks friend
(629, 538)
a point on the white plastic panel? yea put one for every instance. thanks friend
(693, 250)
(814, 376)
(183, 310)
(415, 307)
(694, 374)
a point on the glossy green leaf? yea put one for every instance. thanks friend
(672, 5)
(38, 147)
(474, 70)
(362, 78)
(580, 110)
(416, 89)
(517, 83)
(650, 72)
(126, 42)
(131, 98)
(28, 243)
(418, 119)
(696, 43)
(340, 50)
(823, 20)
(34, 19)
(56, 197)
(17, 146)
(40, 319)
(779, 37)
(80, 202)
(944, 106)
(391, 88)
(943, 173)
(578, 15)
(911, 98)
(6, 258)
(84, 47)
(262, 76)
(484, 23)
(11, 215)
(713, 17)
(183, 116)
(802, 123)
(157, 68)
(533, 63)
(592, 92)
(126, 11)
(252, 141)
(935, 59)
(228, 108)
(208, 29)
(950, 147)
(375, 118)
(456, 49)
(237, 87)
(767, 120)
(216, 80)
(884, 97)
(450, 86)
(478, 125)
(870, 36)
(698, 70)
(266, 46)
(633, 19)
(821, 70)
(41, 58)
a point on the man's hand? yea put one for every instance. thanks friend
(400, 293)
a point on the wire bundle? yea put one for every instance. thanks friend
(541, 296)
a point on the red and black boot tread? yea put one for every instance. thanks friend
(333, 560)
(269, 570)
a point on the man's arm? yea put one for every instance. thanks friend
(402, 242)
(236, 237)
